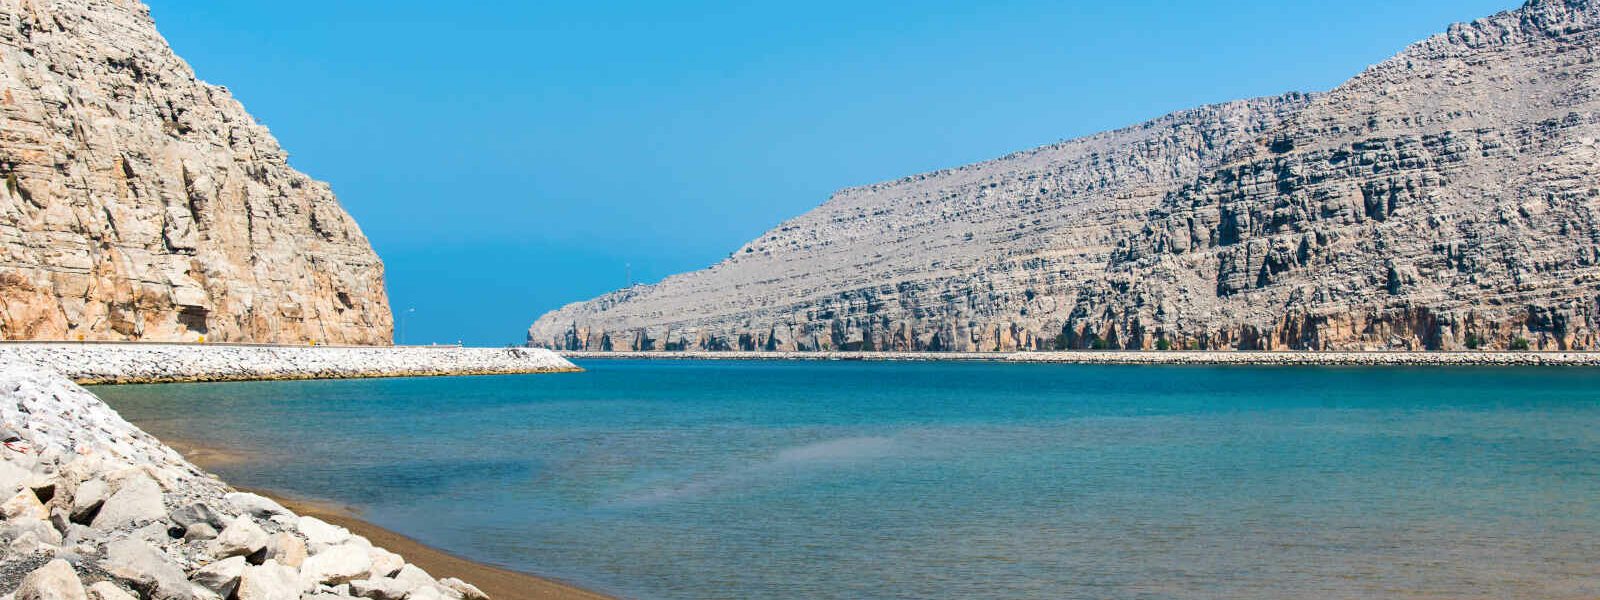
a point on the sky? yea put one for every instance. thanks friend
(507, 158)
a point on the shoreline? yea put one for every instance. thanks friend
(1132, 357)
(147, 518)
(500, 583)
(96, 502)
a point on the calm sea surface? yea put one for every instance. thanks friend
(951, 480)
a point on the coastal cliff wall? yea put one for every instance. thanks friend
(1445, 199)
(140, 203)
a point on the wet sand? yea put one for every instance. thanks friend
(498, 582)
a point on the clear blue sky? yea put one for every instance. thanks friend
(506, 158)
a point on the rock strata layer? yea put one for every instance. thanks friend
(140, 203)
(156, 363)
(97, 508)
(1444, 199)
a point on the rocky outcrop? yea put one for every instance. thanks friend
(165, 363)
(1444, 199)
(141, 203)
(100, 509)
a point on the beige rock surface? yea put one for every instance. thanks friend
(1444, 199)
(140, 203)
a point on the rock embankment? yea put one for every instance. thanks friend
(96, 508)
(1090, 357)
(156, 363)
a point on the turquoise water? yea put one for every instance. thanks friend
(951, 480)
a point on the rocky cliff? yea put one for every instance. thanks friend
(141, 203)
(1444, 199)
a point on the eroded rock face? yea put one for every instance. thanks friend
(141, 203)
(1444, 199)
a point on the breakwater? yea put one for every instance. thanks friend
(161, 363)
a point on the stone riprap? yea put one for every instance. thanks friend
(154, 363)
(97, 508)
(1123, 357)
(141, 203)
(1444, 199)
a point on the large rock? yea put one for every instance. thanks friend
(242, 537)
(379, 589)
(256, 505)
(1443, 199)
(428, 593)
(222, 576)
(270, 581)
(467, 590)
(413, 577)
(44, 531)
(145, 568)
(137, 501)
(196, 513)
(287, 549)
(12, 477)
(200, 532)
(24, 505)
(88, 499)
(165, 212)
(55, 580)
(384, 563)
(337, 564)
(105, 590)
(320, 534)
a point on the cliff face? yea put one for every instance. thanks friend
(1444, 199)
(141, 203)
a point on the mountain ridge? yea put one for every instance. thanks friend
(1371, 216)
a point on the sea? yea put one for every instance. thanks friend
(900, 480)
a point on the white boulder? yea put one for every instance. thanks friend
(321, 534)
(256, 505)
(106, 590)
(270, 581)
(137, 500)
(222, 576)
(55, 580)
(242, 537)
(24, 505)
(467, 590)
(336, 565)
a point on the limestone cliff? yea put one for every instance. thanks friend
(141, 203)
(1444, 199)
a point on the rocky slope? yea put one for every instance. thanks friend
(98, 509)
(1444, 199)
(141, 203)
